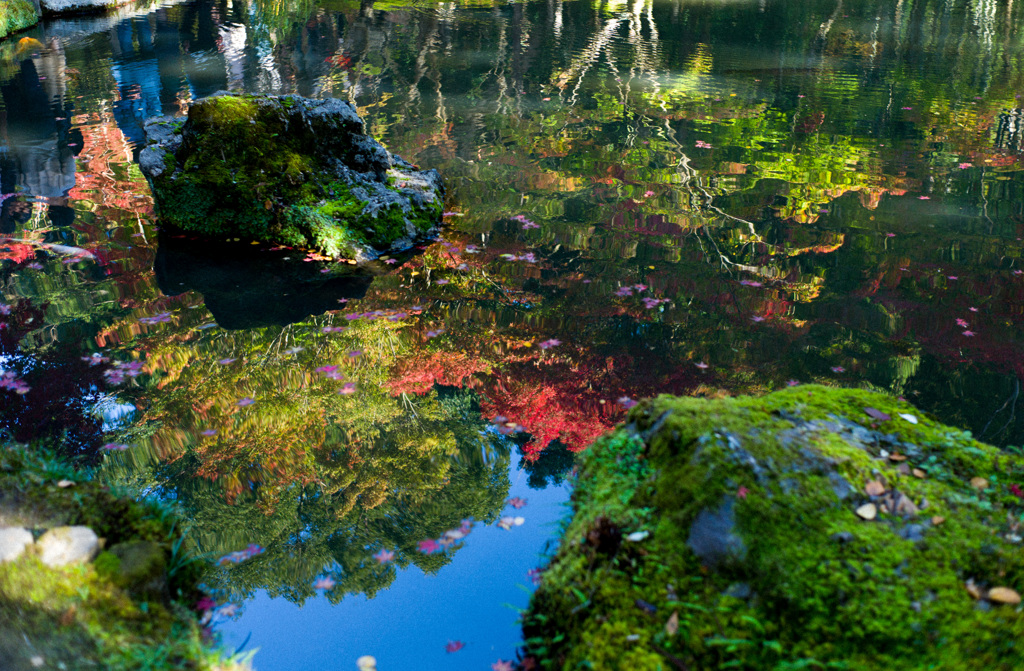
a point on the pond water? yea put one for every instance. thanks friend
(690, 197)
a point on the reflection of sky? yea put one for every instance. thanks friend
(408, 625)
(115, 415)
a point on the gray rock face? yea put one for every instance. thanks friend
(68, 545)
(713, 536)
(13, 542)
(76, 6)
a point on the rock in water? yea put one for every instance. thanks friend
(287, 170)
(68, 545)
(773, 566)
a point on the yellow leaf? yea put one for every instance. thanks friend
(1003, 595)
(672, 626)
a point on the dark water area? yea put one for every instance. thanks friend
(690, 197)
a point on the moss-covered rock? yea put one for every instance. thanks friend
(713, 534)
(287, 170)
(130, 608)
(16, 15)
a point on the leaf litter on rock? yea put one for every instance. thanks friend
(1004, 595)
(874, 488)
(868, 511)
(877, 414)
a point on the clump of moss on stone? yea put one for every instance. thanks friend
(16, 15)
(287, 170)
(130, 608)
(747, 552)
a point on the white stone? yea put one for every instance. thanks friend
(66, 545)
(14, 541)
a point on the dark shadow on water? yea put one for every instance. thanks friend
(246, 286)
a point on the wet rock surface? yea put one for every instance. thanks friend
(288, 170)
(863, 534)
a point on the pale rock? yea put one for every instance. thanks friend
(13, 542)
(67, 545)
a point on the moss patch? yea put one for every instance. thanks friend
(16, 15)
(748, 552)
(128, 609)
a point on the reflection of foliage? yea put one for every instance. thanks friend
(321, 479)
(551, 467)
(692, 181)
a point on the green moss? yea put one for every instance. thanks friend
(16, 15)
(128, 609)
(810, 584)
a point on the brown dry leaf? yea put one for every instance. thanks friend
(937, 520)
(896, 456)
(874, 488)
(918, 473)
(973, 589)
(902, 505)
(68, 616)
(672, 626)
(1003, 595)
(979, 483)
(65, 483)
(868, 511)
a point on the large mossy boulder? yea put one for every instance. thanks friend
(287, 170)
(812, 528)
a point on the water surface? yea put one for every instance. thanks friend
(682, 197)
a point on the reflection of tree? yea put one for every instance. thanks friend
(551, 467)
(322, 480)
(313, 531)
(744, 196)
